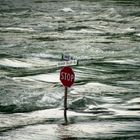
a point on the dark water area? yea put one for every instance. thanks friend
(103, 36)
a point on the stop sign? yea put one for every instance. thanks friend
(67, 76)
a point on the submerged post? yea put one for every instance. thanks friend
(65, 105)
(67, 77)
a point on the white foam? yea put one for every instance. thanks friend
(123, 112)
(138, 34)
(46, 55)
(34, 117)
(127, 61)
(129, 82)
(14, 63)
(83, 31)
(96, 129)
(67, 10)
(134, 100)
(17, 29)
(52, 77)
(98, 88)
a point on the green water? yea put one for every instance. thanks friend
(103, 36)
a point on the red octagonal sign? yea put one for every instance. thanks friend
(67, 76)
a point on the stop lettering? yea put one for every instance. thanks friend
(67, 76)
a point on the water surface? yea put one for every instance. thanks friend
(104, 36)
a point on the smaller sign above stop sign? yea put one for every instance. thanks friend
(67, 76)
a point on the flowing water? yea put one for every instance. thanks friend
(103, 35)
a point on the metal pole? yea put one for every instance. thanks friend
(65, 105)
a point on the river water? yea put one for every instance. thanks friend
(103, 103)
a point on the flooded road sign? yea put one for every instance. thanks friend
(67, 78)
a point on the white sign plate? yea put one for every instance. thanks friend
(67, 63)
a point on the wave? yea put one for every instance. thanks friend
(14, 63)
(16, 30)
(52, 77)
(22, 108)
(55, 38)
(99, 88)
(48, 124)
(19, 96)
(29, 104)
(132, 62)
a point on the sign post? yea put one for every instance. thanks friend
(67, 77)
(65, 104)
